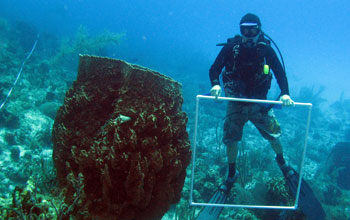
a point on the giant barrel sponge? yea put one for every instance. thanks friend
(120, 144)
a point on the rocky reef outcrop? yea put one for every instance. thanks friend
(339, 164)
(120, 142)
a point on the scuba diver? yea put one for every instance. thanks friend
(246, 63)
(244, 58)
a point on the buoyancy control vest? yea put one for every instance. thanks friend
(246, 72)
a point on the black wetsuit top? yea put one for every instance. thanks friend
(244, 69)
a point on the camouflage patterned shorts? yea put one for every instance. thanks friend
(238, 114)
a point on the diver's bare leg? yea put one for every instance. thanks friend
(277, 147)
(232, 151)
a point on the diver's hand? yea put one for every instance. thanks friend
(286, 100)
(215, 91)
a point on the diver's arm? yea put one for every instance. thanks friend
(281, 77)
(275, 64)
(217, 67)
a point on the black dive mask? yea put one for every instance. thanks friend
(250, 30)
(250, 34)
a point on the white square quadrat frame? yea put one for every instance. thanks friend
(309, 105)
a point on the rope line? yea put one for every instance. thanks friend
(18, 75)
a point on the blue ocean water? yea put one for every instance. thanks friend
(178, 38)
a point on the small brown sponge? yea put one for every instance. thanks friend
(123, 132)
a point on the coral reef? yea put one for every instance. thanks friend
(122, 129)
(244, 214)
(8, 120)
(26, 121)
(49, 109)
(26, 203)
(278, 191)
(15, 154)
(339, 163)
(83, 43)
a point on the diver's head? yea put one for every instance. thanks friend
(250, 27)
